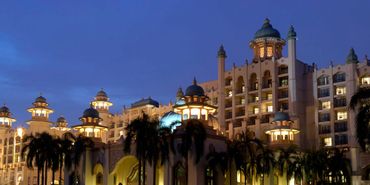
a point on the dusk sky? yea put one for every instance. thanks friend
(69, 49)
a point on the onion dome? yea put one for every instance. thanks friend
(281, 116)
(221, 52)
(352, 57)
(61, 122)
(101, 95)
(4, 111)
(291, 33)
(40, 99)
(267, 31)
(91, 112)
(194, 90)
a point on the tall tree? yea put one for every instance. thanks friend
(360, 103)
(246, 159)
(286, 161)
(31, 153)
(192, 137)
(137, 137)
(266, 162)
(80, 144)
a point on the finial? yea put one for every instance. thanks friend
(195, 81)
(221, 52)
(267, 20)
(352, 57)
(291, 33)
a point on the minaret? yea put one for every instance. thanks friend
(40, 116)
(352, 57)
(179, 94)
(292, 70)
(221, 86)
(6, 119)
(61, 124)
(101, 102)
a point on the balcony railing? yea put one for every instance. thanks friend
(324, 129)
(251, 121)
(284, 94)
(241, 113)
(340, 102)
(324, 118)
(340, 126)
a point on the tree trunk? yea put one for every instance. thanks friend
(42, 175)
(38, 175)
(60, 173)
(144, 177)
(53, 177)
(230, 173)
(187, 167)
(139, 176)
(154, 172)
(46, 173)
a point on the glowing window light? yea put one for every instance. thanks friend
(262, 52)
(195, 113)
(269, 51)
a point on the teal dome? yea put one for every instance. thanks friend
(267, 31)
(169, 118)
(194, 90)
(281, 116)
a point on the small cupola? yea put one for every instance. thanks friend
(194, 105)
(5, 117)
(101, 101)
(267, 43)
(40, 110)
(91, 126)
(281, 130)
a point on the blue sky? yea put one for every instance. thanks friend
(68, 50)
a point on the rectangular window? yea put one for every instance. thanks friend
(323, 92)
(270, 108)
(342, 115)
(325, 105)
(256, 110)
(269, 52)
(340, 91)
(269, 96)
(327, 141)
(365, 80)
(262, 52)
(242, 101)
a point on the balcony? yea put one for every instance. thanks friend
(265, 119)
(324, 129)
(283, 70)
(340, 126)
(228, 115)
(237, 123)
(240, 113)
(251, 121)
(323, 94)
(341, 139)
(324, 117)
(283, 94)
(340, 102)
(266, 85)
(228, 105)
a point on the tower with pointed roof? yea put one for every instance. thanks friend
(101, 102)
(40, 112)
(6, 118)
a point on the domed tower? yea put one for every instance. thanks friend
(6, 119)
(281, 131)
(101, 102)
(40, 115)
(195, 104)
(61, 124)
(267, 43)
(91, 125)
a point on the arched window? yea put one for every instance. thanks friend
(240, 87)
(228, 81)
(210, 176)
(180, 174)
(339, 77)
(253, 82)
(267, 81)
(99, 179)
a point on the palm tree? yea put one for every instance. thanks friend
(65, 151)
(40, 149)
(360, 102)
(339, 167)
(315, 164)
(137, 133)
(79, 146)
(266, 162)
(286, 161)
(158, 145)
(192, 134)
(31, 153)
(247, 149)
